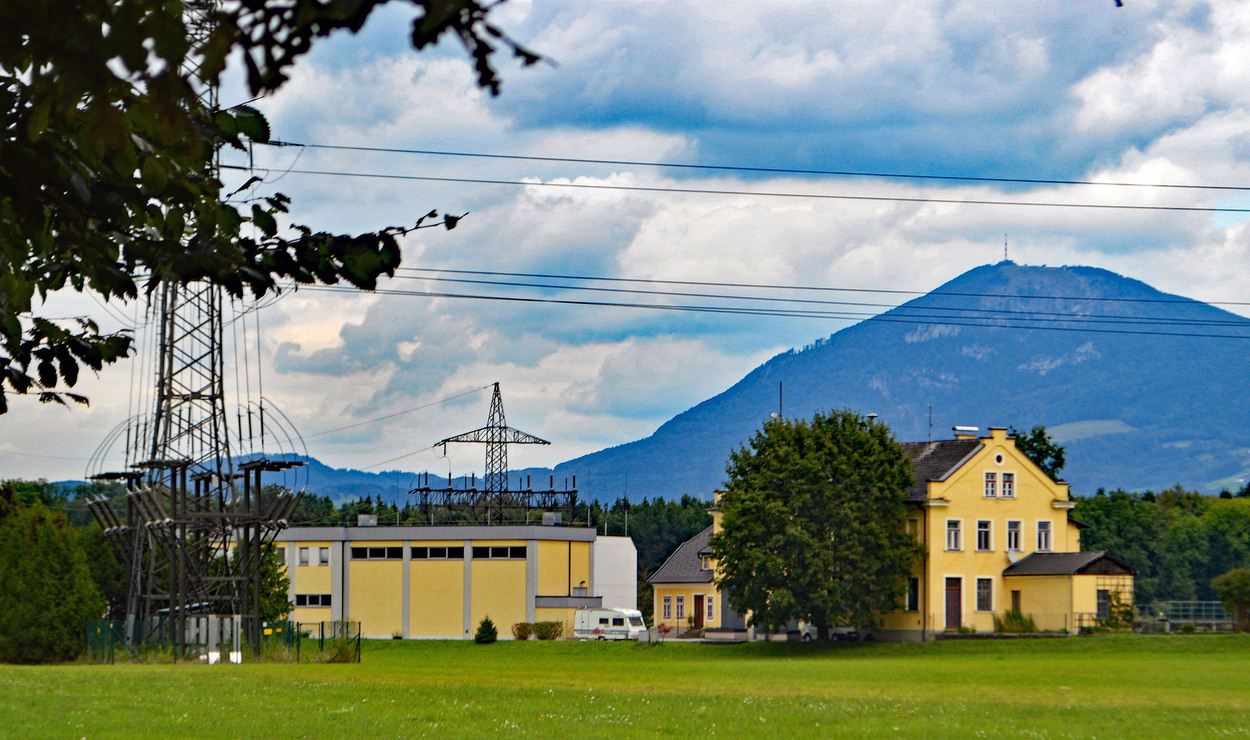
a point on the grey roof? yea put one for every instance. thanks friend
(685, 565)
(934, 461)
(1068, 564)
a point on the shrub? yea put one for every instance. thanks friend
(486, 632)
(548, 630)
(1014, 621)
(48, 594)
(522, 630)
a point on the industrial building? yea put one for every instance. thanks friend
(440, 581)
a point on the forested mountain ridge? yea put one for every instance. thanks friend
(1142, 387)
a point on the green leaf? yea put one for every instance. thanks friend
(155, 178)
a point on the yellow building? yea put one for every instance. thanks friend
(996, 535)
(439, 582)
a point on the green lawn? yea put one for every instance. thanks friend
(1120, 686)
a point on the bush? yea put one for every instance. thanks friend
(486, 632)
(548, 630)
(1014, 621)
(522, 630)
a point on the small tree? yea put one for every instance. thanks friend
(813, 524)
(486, 632)
(46, 586)
(1234, 590)
(1037, 445)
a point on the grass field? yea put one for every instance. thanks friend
(1114, 686)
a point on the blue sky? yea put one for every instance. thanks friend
(1153, 92)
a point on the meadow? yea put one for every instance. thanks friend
(1102, 686)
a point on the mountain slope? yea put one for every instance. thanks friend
(1135, 386)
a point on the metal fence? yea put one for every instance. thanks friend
(220, 640)
(1185, 616)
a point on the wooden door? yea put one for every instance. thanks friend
(698, 611)
(954, 603)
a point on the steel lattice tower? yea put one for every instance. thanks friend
(194, 531)
(496, 435)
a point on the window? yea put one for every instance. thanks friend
(303, 556)
(1013, 535)
(913, 594)
(377, 553)
(985, 539)
(1043, 536)
(437, 553)
(953, 539)
(985, 594)
(913, 528)
(323, 556)
(709, 608)
(991, 485)
(706, 563)
(1104, 604)
(1015, 601)
(1009, 485)
(282, 554)
(603, 621)
(312, 599)
(681, 607)
(498, 552)
(668, 607)
(618, 621)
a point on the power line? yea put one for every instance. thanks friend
(756, 193)
(779, 286)
(397, 413)
(1053, 315)
(947, 321)
(757, 170)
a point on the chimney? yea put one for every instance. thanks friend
(964, 432)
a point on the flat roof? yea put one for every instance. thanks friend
(443, 532)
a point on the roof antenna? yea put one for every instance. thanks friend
(1004, 247)
(930, 423)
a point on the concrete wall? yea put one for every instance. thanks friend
(616, 571)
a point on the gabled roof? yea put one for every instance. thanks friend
(935, 461)
(685, 565)
(1069, 564)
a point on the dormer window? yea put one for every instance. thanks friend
(706, 563)
(991, 485)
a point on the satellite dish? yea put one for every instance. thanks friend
(1013, 556)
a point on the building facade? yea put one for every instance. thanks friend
(439, 582)
(996, 537)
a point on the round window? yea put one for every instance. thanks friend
(998, 459)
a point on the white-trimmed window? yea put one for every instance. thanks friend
(705, 563)
(954, 534)
(991, 485)
(303, 556)
(985, 594)
(323, 556)
(709, 614)
(668, 607)
(1043, 536)
(985, 535)
(1014, 526)
(1009, 485)
(681, 607)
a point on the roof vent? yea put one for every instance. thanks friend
(963, 432)
(366, 520)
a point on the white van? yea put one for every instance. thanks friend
(608, 623)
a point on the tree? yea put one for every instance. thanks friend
(107, 161)
(47, 591)
(1038, 446)
(486, 632)
(1234, 590)
(813, 521)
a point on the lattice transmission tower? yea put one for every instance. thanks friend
(194, 527)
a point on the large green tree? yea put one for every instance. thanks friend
(46, 591)
(813, 523)
(106, 161)
(1234, 590)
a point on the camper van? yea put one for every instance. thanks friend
(608, 624)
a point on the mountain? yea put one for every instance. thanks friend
(1144, 389)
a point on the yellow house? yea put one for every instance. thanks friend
(996, 535)
(439, 582)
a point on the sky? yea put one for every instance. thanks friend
(1153, 92)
